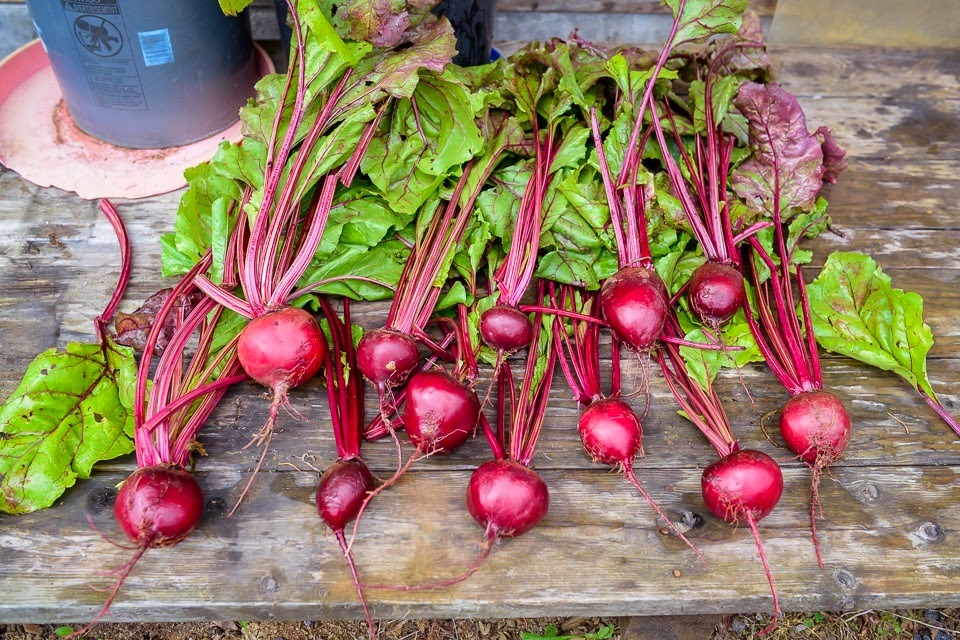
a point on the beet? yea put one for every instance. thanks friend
(634, 304)
(815, 426)
(505, 328)
(611, 432)
(507, 498)
(746, 483)
(341, 492)
(387, 357)
(158, 506)
(282, 348)
(716, 292)
(440, 413)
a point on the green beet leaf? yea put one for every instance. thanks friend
(702, 19)
(427, 137)
(857, 313)
(676, 267)
(72, 409)
(233, 7)
(383, 263)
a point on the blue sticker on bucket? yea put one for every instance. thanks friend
(156, 47)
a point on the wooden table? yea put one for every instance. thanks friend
(891, 529)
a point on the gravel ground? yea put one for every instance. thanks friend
(876, 624)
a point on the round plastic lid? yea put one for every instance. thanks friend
(40, 141)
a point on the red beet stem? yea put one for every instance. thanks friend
(348, 555)
(766, 569)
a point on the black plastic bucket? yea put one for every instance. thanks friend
(472, 22)
(148, 74)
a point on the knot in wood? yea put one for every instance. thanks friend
(216, 506)
(99, 500)
(691, 519)
(268, 585)
(931, 532)
(871, 492)
(845, 579)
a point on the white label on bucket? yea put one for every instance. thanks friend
(100, 36)
(156, 47)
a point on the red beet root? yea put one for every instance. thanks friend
(507, 498)
(506, 328)
(280, 349)
(745, 483)
(816, 426)
(439, 415)
(716, 292)
(440, 412)
(341, 492)
(611, 432)
(283, 348)
(634, 303)
(387, 357)
(158, 506)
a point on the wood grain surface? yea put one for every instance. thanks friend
(890, 531)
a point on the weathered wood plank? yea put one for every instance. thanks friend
(900, 75)
(763, 7)
(598, 552)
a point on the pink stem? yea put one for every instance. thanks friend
(299, 293)
(699, 345)
(935, 404)
(491, 438)
(309, 246)
(188, 398)
(224, 298)
(750, 231)
(678, 183)
(563, 313)
(121, 232)
(341, 539)
(616, 215)
(766, 568)
(630, 157)
(257, 271)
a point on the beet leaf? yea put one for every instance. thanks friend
(785, 173)
(858, 313)
(73, 408)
